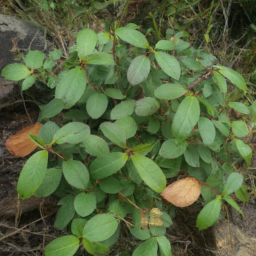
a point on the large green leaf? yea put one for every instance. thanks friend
(34, 59)
(15, 72)
(245, 151)
(106, 165)
(206, 130)
(47, 131)
(95, 248)
(132, 37)
(32, 174)
(186, 117)
(96, 105)
(77, 226)
(100, 227)
(71, 86)
(150, 172)
(192, 156)
(95, 145)
(164, 246)
(28, 82)
(205, 153)
(221, 81)
(101, 58)
(62, 246)
(111, 185)
(233, 183)
(73, 133)
(52, 108)
(85, 42)
(114, 133)
(128, 125)
(143, 149)
(153, 125)
(125, 108)
(114, 93)
(85, 204)
(233, 76)
(222, 127)
(169, 64)
(169, 91)
(239, 107)
(50, 182)
(76, 173)
(239, 128)
(173, 148)
(138, 70)
(147, 248)
(146, 106)
(164, 45)
(209, 214)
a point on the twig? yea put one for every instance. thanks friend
(21, 94)
(200, 79)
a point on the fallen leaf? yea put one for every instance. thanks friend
(20, 144)
(183, 192)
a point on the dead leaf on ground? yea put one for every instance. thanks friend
(20, 144)
(183, 192)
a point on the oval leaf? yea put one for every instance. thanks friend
(100, 227)
(233, 183)
(183, 192)
(169, 91)
(96, 105)
(206, 130)
(34, 59)
(239, 129)
(125, 108)
(85, 204)
(101, 58)
(186, 117)
(172, 148)
(128, 125)
(52, 108)
(28, 82)
(245, 151)
(169, 64)
(239, 107)
(150, 172)
(147, 248)
(15, 72)
(221, 81)
(146, 106)
(138, 70)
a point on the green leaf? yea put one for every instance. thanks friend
(128, 125)
(233, 183)
(147, 248)
(164, 246)
(239, 128)
(100, 227)
(62, 246)
(52, 108)
(111, 185)
(95, 248)
(172, 148)
(245, 151)
(65, 213)
(132, 37)
(233, 76)
(186, 117)
(209, 107)
(169, 64)
(76, 173)
(209, 214)
(192, 156)
(165, 45)
(103, 38)
(125, 108)
(143, 149)
(205, 153)
(169, 91)
(239, 107)
(150, 172)
(138, 70)
(15, 72)
(85, 204)
(222, 127)
(242, 194)
(86, 41)
(153, 125)
(206, 130)
(34, 59)
(166, 129)
(167, 221)
(55, 54)
(77, 227)
(95, 145)
(47, 131)
(114, 93)
(28, 82)
(101, 58)
(73, 133)
(114, 133)
(50, 182)
(231, 201)
(221, 81)
(40, 143)
(32, 174)
(107, 165)
(191, 64)
(96, 105)
(71, 86)
(146, 106)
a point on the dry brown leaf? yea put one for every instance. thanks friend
(20, 144)
(183, 192)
